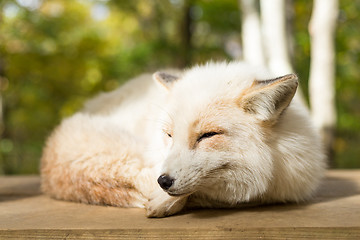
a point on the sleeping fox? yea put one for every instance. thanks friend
(216, 135)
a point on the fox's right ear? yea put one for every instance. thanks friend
(165, 79)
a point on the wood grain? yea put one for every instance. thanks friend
(334, 213)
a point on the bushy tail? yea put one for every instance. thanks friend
(92, 160)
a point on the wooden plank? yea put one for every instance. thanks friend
(333, 213)
(256, 233)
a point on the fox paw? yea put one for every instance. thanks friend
(163, 205)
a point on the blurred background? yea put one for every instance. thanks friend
(54, 54)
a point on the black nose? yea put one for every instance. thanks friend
(165, 181)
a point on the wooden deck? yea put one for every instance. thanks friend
(333, 214)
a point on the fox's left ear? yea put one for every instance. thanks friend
(165, 79)
(269, 98)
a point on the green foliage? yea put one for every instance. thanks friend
(347, 85)
(57, 54)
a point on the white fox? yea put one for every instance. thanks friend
(217, 135)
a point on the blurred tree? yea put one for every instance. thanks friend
(275, 36)
(51, 53)
(186, 33)
(253, 51)
(322, 70)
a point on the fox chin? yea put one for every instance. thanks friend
(216, 135)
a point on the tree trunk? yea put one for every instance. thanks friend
(253, 51)
(289, 24)
(275, 39)
(186, 35)
(322, 69)
(276, 44)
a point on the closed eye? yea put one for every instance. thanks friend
(167, 134)
(207, 135)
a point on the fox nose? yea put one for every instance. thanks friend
(165, 181)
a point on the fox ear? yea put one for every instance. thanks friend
(269, 98)
(165, 79)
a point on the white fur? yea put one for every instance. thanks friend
(248, 162)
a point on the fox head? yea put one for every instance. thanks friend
(215, 128)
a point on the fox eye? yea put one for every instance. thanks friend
(168, 134)
(207, 135)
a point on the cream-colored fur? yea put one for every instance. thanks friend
(213, 136)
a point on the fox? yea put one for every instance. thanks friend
(217, 135)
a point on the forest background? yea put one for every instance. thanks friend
(55, 54)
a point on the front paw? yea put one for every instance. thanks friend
(163, 205)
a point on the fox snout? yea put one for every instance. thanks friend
(165, 181)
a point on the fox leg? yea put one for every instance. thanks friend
(162, 204)
(92, 161)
